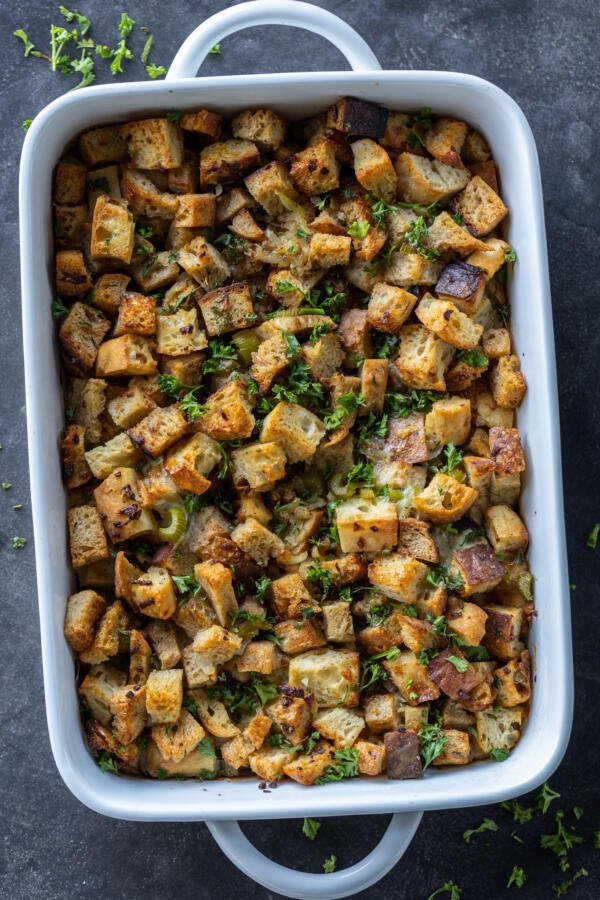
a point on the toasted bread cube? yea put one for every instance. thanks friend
(214, 716)
(342, 726)
(258, 465)
(144, 198)
(297, 637)
(355, 116)
(463, 284)
(137, 315)
(257, 541)
(268, 360)
(75, 468)
(506, 450)
(154, 143)
(389, 307)
(327, 250)
(423, 358)
(381, 712)
(184, 179)
(374, 170)
(306, 769)
(140, 656)
(227, 308)
(496, 343)
(244, 226)
(186, 368)
(117, 452)
(353, 332)
(295, 429)
(126, 355)
(445, 500)
(202, 765)
(177, 741)
(498, 729)
(129, 407)
(415, 541)
(69, 226)
(257, 729)
(107, 639)
(112, 230)
(72, 275)
(505, 529)
(475, 148)
(447, 235)
(228, 414)
(367, 526)
(164, 643)
(411, 679)
(361, 274)
(507, 383)
(448, 322)
(406, 269)
(190, 461)
(467, 620)
(230, 203)
(345, 569)
(236, 752)
(337, 622)
(164, 696)
(194, 614)
(502, 631)
(422, 180)
(480, 207)
(98, 687)
(288, 594)
(263, 127)
(268, 184)
(84, 611)
(109, 290)
(445, 139)
(158, 271)
(202, 121)
(87, 540)
(332, 676)
(456, 716)
(70, 178)
(449, 421)
(398, 221)
(128, 707)
(103, 145)
(316, 170)
(487, 171)
(512, 681)
(225, 161)
(216, 581)
(204, 263)
(217, 643)
(456, 750)
(81, 335)
(157, 431)
(259, 656)
(396, 130)
(292, 714)
(490, 415)
(196, 211)
(86, 399)
(117, 499)
(492, 259)
(153, 594)
(268, 764)
(179, 333)
(398, 629)
(478, 568)
(371, 757)
(324, 357)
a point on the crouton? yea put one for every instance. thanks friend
(129, 407)
(177, 741)
(496, 343)
(506, 451)
(342, 726)
(505, 529)
(129, 354)
(263, 127)
(316, 170)
(295, 429)
(81, 335)
(463, 284)
(227, 160)
(97, 688)
(191, 460)
(367, 526)
(415, 541)
(269, 184)
(259, 466)
(490, 260)
(164, 696)
(70, 178)
(268, 764)
(449, 421)
(373, 384)
(268, 360)
(154, 143)
(69, 226)
(480, 207)
(448, 322)
(259, 656)
(297, 637)
(337, 622)
(354, 116)
(407, 269)
(196, 211)
(204, 263)
(411, 679)
(137, 315)
(179, 333)
(112, 230)
(75, 468)
(108, 292)
(152, 594)
(200, 763)
(202, 121)
(332, 676)
(445, 500)
(119, 509)
(157, 431)
(422, 180)
(374, 170)
(292, 714)
(447, 235)
(227, 308)
(84, 611)
(144, 198)
(87, 541)
(245, 226)
(257, 541)
(507, 383)
(389, 307)
(445, 139)
(117, 452)
(423, 358)
(498, 729)
(108, 637)
(216, 581)
(478, 567)
(327, 250)
(353, 332)
(489, 414)
(128, 707)
(103, 145)
(140, 657)
(381, 712)
(288, 595)
(345, 569)
(227, 415)
(216, 642)
(404, 441)
(467, 620)
(512, 681)
(214, 716)
(306, 769)
(396, 629)
(456, 750)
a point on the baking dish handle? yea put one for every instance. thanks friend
(291, 883)
(196, 47)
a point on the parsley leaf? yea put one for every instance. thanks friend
(545, 797)
(517, 877)
(433, 740)
(565, 886)
(448, 888)
(106, 763)
(461, 665)
(475, 358)
(261, 586)
(561, 842)
(499, 754)
(344, 765)
(344, 406)
(415, 237)
(323, 577)
(330, 863)
(310, 828)
(359, 229)
(439, 576)
(486, 825)
(416, 401)
(58, 308)
(592, 538)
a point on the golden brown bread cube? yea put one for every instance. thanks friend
(295, 429)
(227, 308)
(411, 679)
(478, 568)
(342, 726)
(158, 430)
(75, 468)
(228, 413)
(449, 421)
(81, 335)
(216, 580)
(292, 714)
(423, 358)
(112, 230)
(72, 275)
(374, 169)
(259, 656)
(467, 620)
(422, 180)
(507, 382)
(371, 757)
(129, 354)
(448, 322)
(269, 184)
(203, 121)
(367, 526)
(327, 250)
(128, 707)
(295, 637)
(118, 503)
(480, 207)
(306, 769)
(505, 529)
(337, 622)
(389, 307)
(109, 290)
(87, 540)
(144, 198)
(415, 541)
(262, 126)
(190, 461)
(119, 451)
(512, 681)
(445, 139)
(164, 696)
(84, 611)
(316, 170)
(256, 541)
(381, 712)
(177, 741)
(456, 750)
(97, 688)
(108, 638)
(332, 676)
(154, 143)
(140, 658)
(445, 500)
(196, 211)
(137, 315)
(70, 177)
(70, 226)
(103, 145)
(227, 160)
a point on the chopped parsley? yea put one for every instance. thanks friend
(402, 405)
(310, 828)
(561, 842)
(417, 234)
(359, 229)
(344, 406)
(475, 358)
(329, 864)
(439, 576)
(449, 887)
(18, 543)
(486, 825)
(517, 877)
(499, 754)
(461, 665)
(344, 765)
(433, 740)
(592, 538)
(106, 763)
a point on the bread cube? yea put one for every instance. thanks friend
(128, 707)
(112, 230)
(480, 207)
(316, 170)
(411, 679)
(345, 569)
(204, 263)
(295, 429)
(196, 211)
(107, 639)
(505, 529)
(292, 714)
(421, 180)
(498, 729)
(117, 499)
(87, 541)
(164, 643)
(445, 139)
(103, 145)
(216, 581)
(447, 235)
(263, 127)
(214, 716)
(467, 620)
(153, 593)
(268, 360)
(389, 307)
(507, 383)
(75, 468)
(140, 658)
(80, 335)
(354, 116)
(227, 414)
(478, 568)
(489, 414)
(268, 184)
(258, 465)
(84, 611)
(268, 764)
(444, 500)
(512, 681)
(137, 315)
(353, 332)
(190, 461)
(202, 121)
(259, 656)
(449, 421)
(456, 750)
(164, 696)
(496, 343)
(506, 450)
(407, 269)
(415, 541)
(448, 322)
(227, 308)
(130, 406)
(117, 452)
(226, 160)
(97, 688)
(157, 431)
(371, 757)
(327, 250)
(342, 726)
(69, 226)
(423, 358)
(70, 178)
(129, 354)
(332, 676)
(396, 629)
(297, 637)
(492, 259)
(502, 631)
(177, 741)
(288, 595)
(257, 541)
(367, 526)
(374, 169)
(462, 283)
(179, 333)
(337, 622)
(109, 290)
(144, 198)
(306, 769)
(217, 643)
(373, 384)
(154, 143)
(381, 712)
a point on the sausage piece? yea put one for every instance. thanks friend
(402, 754)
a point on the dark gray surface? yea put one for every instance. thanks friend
(545, 55)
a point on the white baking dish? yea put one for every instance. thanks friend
(296, 95)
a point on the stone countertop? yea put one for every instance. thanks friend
(545, 55)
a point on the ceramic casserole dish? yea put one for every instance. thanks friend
(220, 803)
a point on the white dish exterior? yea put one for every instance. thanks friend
(296, 95)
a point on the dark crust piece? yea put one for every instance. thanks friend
(402, 754)
(457, 685)
(461, 280)
(506, 450)
(478, 564)
(357, 117)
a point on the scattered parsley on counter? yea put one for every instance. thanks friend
(517, 877)
(18, 542)
(486, 825)
(592, 538)
(310, 828)
(329, 864)
(449, 887)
